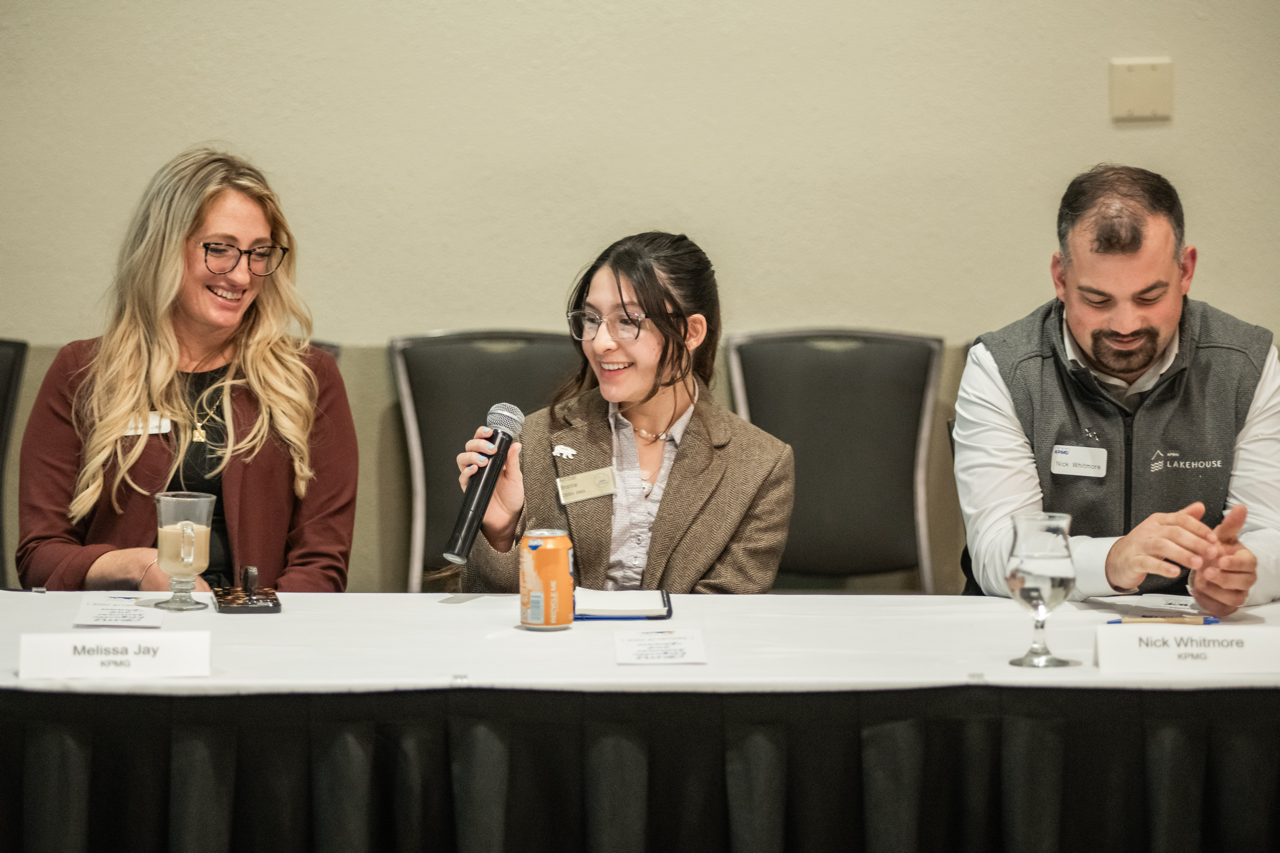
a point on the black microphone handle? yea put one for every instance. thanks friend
(476, 500)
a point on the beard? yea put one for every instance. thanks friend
(1124, 362)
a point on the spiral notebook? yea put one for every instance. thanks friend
(591, 604)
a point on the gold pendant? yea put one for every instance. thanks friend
(197, 434)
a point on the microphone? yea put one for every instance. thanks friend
(506, 421)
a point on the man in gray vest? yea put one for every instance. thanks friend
(1151, 418)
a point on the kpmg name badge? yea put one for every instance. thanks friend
(589, 484)
(1079, 461)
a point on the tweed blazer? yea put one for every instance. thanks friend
(722, 523)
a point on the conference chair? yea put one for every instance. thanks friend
(857, 409)
(447, 382)
(333, 349)
(13, 359)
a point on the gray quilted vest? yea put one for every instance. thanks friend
(1175, 447)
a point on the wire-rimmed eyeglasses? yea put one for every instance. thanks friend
(623, 325)
(222, 258)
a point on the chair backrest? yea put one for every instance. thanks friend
(447, 383)
(333, 349)
(13, 359)
(856, 408)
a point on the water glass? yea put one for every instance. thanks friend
(1041, 576)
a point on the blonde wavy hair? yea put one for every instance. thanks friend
(135, 370)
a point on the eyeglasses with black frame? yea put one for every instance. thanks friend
(222, 258)
(623, 325)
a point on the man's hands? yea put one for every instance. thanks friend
(1178, 537)
(1223, 585)
(1224, 569)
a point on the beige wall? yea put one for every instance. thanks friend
(451, 165)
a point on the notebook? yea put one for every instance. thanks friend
(621, 604)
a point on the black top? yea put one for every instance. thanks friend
(195, 472)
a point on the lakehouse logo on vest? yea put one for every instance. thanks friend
(1173, 459)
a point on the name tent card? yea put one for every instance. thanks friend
(115, 654)
(1188, 648)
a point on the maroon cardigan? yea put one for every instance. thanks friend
(298, 545)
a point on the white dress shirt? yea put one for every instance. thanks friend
(996, 474)
(635, 502)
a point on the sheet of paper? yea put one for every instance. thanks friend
(116, 610)
(1183, 604)
(114, 654)
(660, 647)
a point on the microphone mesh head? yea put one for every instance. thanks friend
(507, 418)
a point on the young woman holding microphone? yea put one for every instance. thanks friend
(701, 499)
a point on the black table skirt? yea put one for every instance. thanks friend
(971, 768)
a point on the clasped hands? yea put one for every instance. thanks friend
(1224, 570)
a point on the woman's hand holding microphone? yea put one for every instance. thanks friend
(503, 512)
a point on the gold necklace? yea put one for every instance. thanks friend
(197, 433)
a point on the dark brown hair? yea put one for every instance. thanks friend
(1115, 201)
(673, 280)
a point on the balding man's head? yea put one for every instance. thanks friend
(1112, 204)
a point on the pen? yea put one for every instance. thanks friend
(1166, 620)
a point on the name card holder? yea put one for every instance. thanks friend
(115, 654)
(1190, 649)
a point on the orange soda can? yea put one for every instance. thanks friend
(546, 580)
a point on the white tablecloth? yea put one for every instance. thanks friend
(788, 643)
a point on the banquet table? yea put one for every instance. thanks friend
(435, 722)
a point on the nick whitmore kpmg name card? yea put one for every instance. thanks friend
(115, 654)
(1188, 648)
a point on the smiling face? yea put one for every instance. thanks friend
(211, 306)
(1123, 308)
(625, 369)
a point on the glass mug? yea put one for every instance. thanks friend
(182, 544)
(1041, 576)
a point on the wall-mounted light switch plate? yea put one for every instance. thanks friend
(1142, 88)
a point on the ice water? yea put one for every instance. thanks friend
(1041, 583)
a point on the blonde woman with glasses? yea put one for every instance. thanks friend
(204, 381)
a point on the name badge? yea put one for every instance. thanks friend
(589, 484)
(1079, 461)
(1188, 648)
(113, 654)
(156, 425)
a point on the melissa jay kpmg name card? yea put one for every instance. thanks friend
(114, 654)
